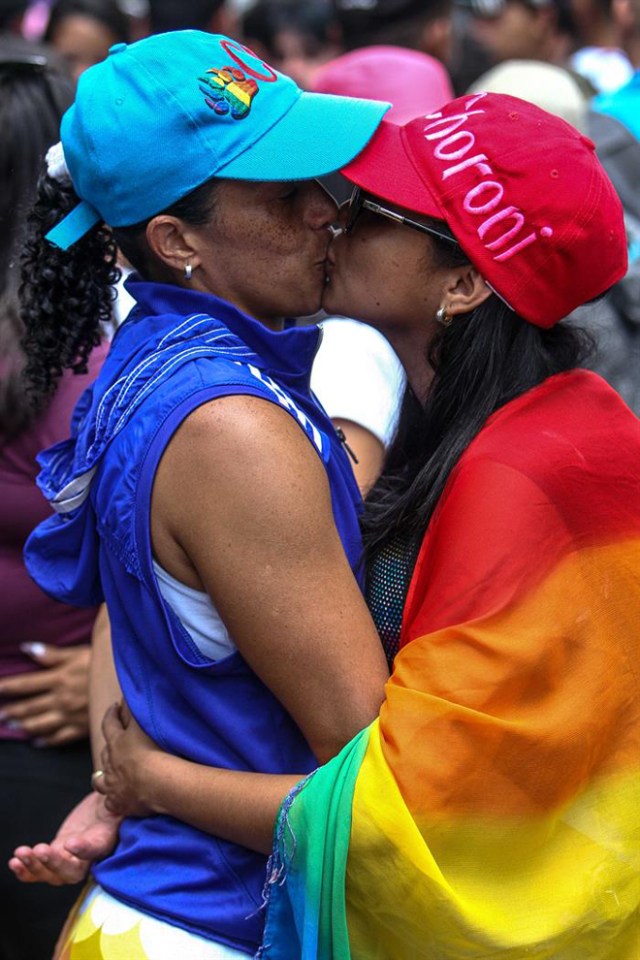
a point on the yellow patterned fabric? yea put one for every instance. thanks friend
(103, 928)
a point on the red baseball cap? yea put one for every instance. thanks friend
(522, 191)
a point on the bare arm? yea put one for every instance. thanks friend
(242, 508)
(104, 688)
(90, 831)
(140, 779)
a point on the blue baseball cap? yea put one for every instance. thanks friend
(159, 117)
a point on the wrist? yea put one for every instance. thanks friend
(155, 776)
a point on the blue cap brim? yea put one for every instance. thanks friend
(76, 223)
(318, 135)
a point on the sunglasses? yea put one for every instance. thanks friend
(359, 202)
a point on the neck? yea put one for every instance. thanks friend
(272, 323)
(412, 353)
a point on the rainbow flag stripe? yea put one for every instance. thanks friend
(492, 811)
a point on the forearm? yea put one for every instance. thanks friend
(104, 688)
(235, 805)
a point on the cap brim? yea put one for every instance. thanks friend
(318, 135)
(385, 168)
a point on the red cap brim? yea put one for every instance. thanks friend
(385, 168)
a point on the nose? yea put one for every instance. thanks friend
(321, 207)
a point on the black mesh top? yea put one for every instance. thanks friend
(387, 587)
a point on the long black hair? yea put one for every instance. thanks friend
(481, 361)
(35, 90)
(67, 295)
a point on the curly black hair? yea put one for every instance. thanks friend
(66, 295)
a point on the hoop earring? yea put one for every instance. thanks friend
(187, 271)
(443, 317)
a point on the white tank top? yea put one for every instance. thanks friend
(197, 615)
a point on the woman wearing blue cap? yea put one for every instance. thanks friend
(203, 494)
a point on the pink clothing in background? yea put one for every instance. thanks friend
(26, 613)
(411, 81)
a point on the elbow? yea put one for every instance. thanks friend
(329, 746)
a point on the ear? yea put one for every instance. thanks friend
(170, 239)
(466, 291)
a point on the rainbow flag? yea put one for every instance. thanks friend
(493, 809)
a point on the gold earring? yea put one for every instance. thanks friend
(443, 317)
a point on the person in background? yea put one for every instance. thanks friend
(624, 103)
(599, 56)
(45, 760)
(414, 82)
(297, 37)
(439, 28)
(556, 89)
(415, 24)
(524, 30)
(82, 31)
(213, 16)
(616, 126)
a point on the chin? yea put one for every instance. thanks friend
(335, 305)
(310, 304)
(340, 301)
(332, 303)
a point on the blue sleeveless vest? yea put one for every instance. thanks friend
(177, 350)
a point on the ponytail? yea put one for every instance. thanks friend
(65, 295)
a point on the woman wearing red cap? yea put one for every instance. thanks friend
(491, 809)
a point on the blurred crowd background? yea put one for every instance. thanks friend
(592, 38)
(579, 59)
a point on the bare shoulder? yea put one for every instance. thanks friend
(243, 434)
(242, 509)
(238, 466)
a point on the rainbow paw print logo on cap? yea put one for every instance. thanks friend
(227, 90)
